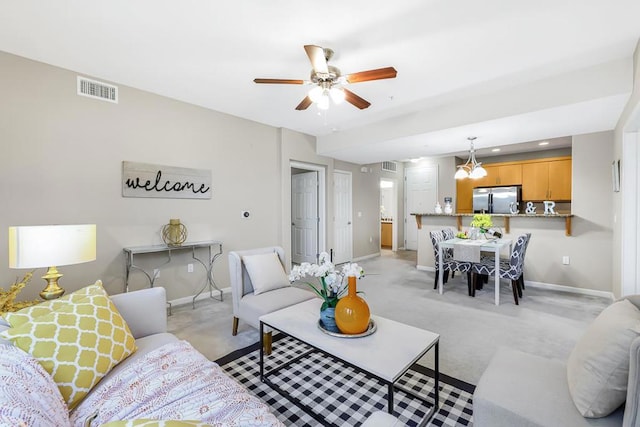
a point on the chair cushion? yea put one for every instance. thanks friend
(254, 306)
(266, 272)
(78, 343)
(598, 366)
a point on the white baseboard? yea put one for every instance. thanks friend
(362, 258)
(550, 286)
(572, 289)
(204, 295)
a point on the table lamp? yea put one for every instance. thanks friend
(51, 246)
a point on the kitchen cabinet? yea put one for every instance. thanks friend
(386, 234)
(547, 180)
(464, 195)
(510, 174)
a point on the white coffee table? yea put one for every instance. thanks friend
(385, 355)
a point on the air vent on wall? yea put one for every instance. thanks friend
(97, 90)
(390, 166)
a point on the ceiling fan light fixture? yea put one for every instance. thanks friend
(337, 95)
(323, 102)
(316, 93)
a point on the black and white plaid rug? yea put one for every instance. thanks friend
(339, 394)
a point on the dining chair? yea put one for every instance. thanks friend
(448, 263)
(524, 254)
(449, 234)
(490, 259)
(510, 268)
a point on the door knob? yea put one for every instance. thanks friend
(349, 223)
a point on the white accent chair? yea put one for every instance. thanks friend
(247, 306)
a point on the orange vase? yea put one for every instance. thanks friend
(352, 312)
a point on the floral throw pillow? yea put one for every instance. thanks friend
(28, 394)
(155, 423)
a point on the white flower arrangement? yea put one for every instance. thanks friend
(332, 283)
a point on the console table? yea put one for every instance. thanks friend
(132, 253)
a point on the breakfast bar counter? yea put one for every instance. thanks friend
(506, 218)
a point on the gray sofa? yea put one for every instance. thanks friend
(221, 397)
(524, 390)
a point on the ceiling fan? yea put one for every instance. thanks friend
(329, 82)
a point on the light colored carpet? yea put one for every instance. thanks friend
(546, 323)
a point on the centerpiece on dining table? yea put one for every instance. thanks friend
(482, 223)
(342, 310)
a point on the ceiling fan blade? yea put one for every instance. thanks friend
(316, 56)
(304, 104)
(279, 81)
(380, 73)
(354, 99)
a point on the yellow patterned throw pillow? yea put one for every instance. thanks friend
(25, 315)
(77, 342)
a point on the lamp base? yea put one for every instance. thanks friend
(52, 290)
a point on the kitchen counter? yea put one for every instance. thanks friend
(506, 218)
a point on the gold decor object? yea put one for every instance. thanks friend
(352, 312)
(51, 246)
(174, 233)
(7, 299)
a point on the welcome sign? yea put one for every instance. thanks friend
(167, 182)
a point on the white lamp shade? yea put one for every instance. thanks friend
(337, 95)
(316, 93)
(461, 173)
(478, 172)
(323, 102)
(51, 245)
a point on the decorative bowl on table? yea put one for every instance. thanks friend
(370, 330)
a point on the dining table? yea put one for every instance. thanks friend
(484, 245)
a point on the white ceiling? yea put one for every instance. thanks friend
(505, 71)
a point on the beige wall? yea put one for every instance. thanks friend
(590, 245)
(62, 158)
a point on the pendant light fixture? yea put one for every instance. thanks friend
(472, 168)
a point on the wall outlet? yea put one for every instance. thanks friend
(370, 239)
(156, 272)
(565, 260)
(189, 268)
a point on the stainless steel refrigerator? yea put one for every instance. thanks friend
(495, 199)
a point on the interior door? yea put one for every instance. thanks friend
(343, 240)
(304, 217)
(421, 195)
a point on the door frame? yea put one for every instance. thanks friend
(394, 224)
(322, 200)
(630, 212)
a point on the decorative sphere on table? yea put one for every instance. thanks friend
(174, 233)
(352, 312)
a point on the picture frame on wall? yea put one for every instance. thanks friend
(615, 175)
